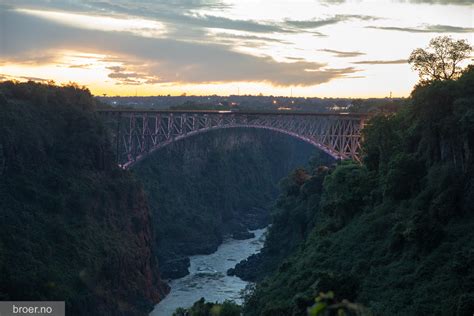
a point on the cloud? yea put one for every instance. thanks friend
(163, 59)
(381, 62)
(187, 5)
(310, 24)
(247, 38)
(122, 5)
(210, 21)
(426, 29)
(242, 40)
(81, 66)
(124, 77)
(343, 54)
(294, 58)
(181, 16)
(178, 15)
(29, 58)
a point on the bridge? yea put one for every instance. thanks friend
(137, 133)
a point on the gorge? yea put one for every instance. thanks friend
(388, 236)
(119, 229)
(211, 185)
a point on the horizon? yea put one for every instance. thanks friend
(241, 95)
(309, 48)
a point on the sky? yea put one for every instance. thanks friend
(309, 48)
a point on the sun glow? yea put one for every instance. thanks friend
(349, 49)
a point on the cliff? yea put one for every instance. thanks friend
(395, 233)
(73, 226)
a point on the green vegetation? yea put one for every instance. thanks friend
(394, 234)
(326, 305)
(440, 60)
(73, 226)
(203, 308)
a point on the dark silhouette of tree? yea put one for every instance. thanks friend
(440, 60)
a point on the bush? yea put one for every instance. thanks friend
(203, 308)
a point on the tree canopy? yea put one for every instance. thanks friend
(441, 59)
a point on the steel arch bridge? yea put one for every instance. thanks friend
(137, 133)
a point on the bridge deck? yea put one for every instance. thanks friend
(228, 112)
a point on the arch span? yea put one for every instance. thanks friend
(137, 133)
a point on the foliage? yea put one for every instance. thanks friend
(394, 234)
(203, 308)
(325, 305)
(73, 226)
(440, 60)
(344, 191)
(385, 105)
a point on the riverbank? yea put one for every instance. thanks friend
(208, 276)
(393, 233)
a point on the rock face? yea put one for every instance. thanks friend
(73, 226)
(129, 281)
(248, 269)
(215, 184)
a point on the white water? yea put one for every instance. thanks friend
(208, 276)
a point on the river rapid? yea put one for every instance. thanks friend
(208, 278)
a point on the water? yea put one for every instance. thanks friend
(208, 277)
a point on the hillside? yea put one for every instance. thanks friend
(73, 226)
(394, 234)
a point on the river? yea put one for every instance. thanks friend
(208, 278)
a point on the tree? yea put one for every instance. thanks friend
(440, 60)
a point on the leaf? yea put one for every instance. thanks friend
(317, 309)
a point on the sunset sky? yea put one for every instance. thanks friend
(305, 47)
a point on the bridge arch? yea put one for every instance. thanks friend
(138, 133)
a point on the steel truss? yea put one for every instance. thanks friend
(138, 133)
